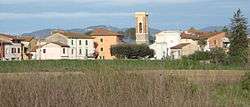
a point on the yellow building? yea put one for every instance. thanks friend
(183, 49)
(104, 39)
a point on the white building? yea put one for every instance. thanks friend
(51, 51)
(80, 45)
(164, 41)
(11, 49)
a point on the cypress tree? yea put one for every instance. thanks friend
(238, 51)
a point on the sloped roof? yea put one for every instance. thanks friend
(196, 34)
(104, 32)
(4, 41)
(34, 49)
(6, 37)
(26, 38)
(180, 46)
(58, 43)
(74, 35)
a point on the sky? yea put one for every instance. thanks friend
(22, 16)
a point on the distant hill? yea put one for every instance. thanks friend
(40, 33)
(46, 32)
(212, 28)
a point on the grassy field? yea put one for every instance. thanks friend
(121, 83)
(108, 65)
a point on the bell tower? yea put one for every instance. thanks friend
(141, 20)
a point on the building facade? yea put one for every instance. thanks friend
(11, 47)
(163, 42)
(104, 39)
(211, 39)
(80, 46)
(51, 51)
(182, 49)
(142, 29)
(25, 41)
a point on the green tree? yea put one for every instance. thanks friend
(132, 51)
(225, 29)
(218, 56)
(238, 50)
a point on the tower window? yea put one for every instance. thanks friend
(101, 40)
(140, 27)
(101, 49)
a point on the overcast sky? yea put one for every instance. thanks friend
(19, 16)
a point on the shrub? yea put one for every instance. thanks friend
(132, 51)
(199, 55)
(218, 56)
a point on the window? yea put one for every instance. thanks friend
(72, 51)
(80, 51)
(86, 52)
(13, 50)
(140, 27)
(25, 50)
(18, 50)
(72, 42)
(167, 51)
(101, 40)
(44, 50)
(63, 50)
(101, 49)
(100, 57)
(103, 57)
(179, 53)
(80, 42)
(86, 42)
(215, 42)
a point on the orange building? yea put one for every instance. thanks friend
(213, 39)
(104, 39)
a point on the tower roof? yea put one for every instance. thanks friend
(141, 13)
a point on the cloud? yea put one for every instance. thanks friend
(49, 15)
(97, 1)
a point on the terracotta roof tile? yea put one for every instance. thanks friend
(7, 37)
(104, 32)
(180, 46)
(196, 34)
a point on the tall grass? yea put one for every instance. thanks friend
(107, 65)
(120, 83)
(113, 89)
